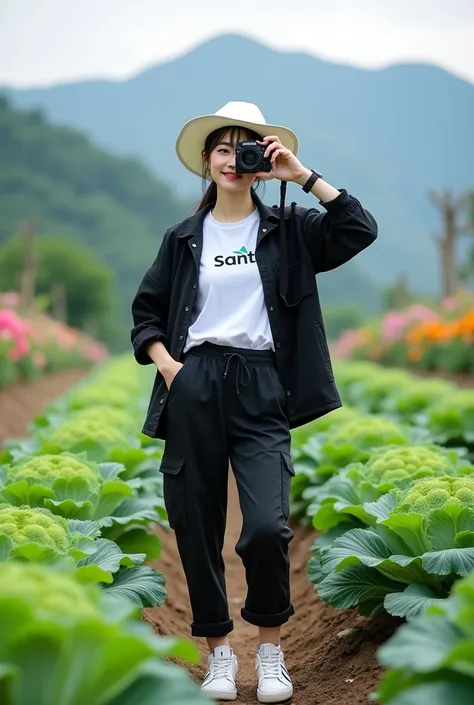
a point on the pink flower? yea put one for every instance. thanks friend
(20, 350)
(348, 342)
(449, 303)
(10, 320)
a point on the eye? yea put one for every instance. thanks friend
(223, 149)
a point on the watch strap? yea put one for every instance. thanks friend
(315, 175)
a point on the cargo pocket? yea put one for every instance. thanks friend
(287, 473)
(174, 491)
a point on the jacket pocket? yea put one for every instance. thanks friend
(177, 378)
(323, 346)
(287, 472)
(174, 491)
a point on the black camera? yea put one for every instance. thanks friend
(249, 158)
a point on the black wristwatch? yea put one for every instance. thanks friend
(315, 175)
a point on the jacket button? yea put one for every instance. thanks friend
(278, 345)
(194, 286)
(187, 308)
(162, 401)
(181, 337)
(288, 393)
(264, 230)
(271, 308)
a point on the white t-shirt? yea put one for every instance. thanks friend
(229, 308)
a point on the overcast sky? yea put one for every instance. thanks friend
(48, 41)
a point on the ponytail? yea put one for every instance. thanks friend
(209, 197)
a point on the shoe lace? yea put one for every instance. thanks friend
(270, 665)
(222, 667)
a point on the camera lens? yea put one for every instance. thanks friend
(250, 158)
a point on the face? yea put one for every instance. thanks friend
(222, 166)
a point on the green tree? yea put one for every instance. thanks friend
(112, 205)
(76, 285)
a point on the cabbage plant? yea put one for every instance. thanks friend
(74, 487)
(372, 391)
(431, 659)
(341, 499)
(68, 643)
(406, 403)
(421, 542)
(451, 419)
(353, 441)
(34, 534)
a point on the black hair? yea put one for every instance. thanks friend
(236, 134)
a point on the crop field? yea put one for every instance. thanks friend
(93, 603)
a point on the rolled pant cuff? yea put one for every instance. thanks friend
(212, 630)
(267, 620)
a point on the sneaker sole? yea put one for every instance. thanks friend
(220, 695)
(274, 697)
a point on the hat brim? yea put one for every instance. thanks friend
(193, 134)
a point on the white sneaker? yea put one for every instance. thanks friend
(274, 682)
(222, 670)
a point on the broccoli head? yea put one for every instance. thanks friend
(407, 463)
(47, 591)
(436, 492)
(367, 432)
(76, 430)
(45, 469)
(27, 525)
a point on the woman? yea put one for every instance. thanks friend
(229, 313)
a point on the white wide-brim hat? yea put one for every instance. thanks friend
(193, 134)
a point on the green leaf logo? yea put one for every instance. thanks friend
(243, 251)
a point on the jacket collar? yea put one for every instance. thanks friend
(193, 225)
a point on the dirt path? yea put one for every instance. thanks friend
(20, 402)
(327, 668)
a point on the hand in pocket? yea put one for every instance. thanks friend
(170, 371)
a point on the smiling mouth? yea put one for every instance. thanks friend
(230, 175)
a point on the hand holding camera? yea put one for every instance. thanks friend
(268, 159)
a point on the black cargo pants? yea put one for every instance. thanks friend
(229, 403)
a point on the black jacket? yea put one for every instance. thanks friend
(316, 242)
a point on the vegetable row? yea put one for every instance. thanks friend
(78, 502)
(388, 483)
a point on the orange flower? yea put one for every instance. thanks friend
(414, 354)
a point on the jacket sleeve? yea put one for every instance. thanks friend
(150, 306)
(338, 235)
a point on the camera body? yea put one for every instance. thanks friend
(249, 158)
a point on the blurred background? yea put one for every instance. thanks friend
(93, 94)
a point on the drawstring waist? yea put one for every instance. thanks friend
(241, 356)
(241, 369)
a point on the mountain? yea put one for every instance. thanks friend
(112, 205)
(386, 135)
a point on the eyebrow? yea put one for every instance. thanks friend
(225, 144)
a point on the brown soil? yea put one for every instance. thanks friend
(327, 667)
(21, 402)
